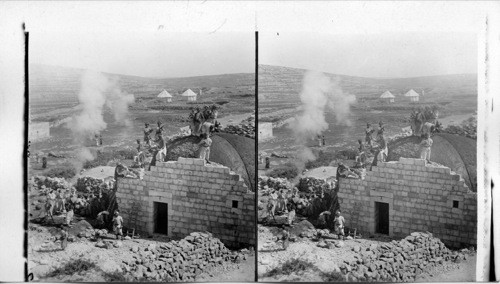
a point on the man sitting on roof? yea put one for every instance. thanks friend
(345, 172)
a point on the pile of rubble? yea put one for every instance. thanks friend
(44, 183)
(399, 260)
(269, 184)
(312, 196)
(462, 130)
(245, 128)
(90, 185)
(180, 260)
(315, 186)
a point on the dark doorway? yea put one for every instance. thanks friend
(161, 218)
(382, 218)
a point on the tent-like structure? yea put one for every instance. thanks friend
(387, 96)
(412, 95)
(190, 95)
(165, 94)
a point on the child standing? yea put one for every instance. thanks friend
(64, 239)
(117, 225)
(339, 222)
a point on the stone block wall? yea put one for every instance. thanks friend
(199, 196)
(421, 197)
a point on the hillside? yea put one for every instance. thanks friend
(55, 82)
(53, 90)
(279, 87)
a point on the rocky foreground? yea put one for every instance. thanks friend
(199, 254)
(399, 261)
(416, 257)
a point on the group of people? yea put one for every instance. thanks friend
(98, 139)
(117, 230)
(380, 140)
(323, 220)
(156, 145)
(321, 140)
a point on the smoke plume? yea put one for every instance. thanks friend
(319, 94)
(96, 92)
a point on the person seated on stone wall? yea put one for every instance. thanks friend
(122, 171)
(345, 172)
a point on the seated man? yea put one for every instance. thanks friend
(345, 172)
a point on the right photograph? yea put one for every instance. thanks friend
(367, 157)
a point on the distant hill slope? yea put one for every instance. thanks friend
(48, 83)
(284, 84)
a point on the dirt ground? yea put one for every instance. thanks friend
(271, 255)
(45, 255)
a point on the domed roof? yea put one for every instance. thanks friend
(233, 151)
(456, 152)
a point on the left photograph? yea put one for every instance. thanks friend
(141, 159)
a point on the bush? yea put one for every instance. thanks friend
(467, 128)
(103, 158)
(65, 171)
(117, 276)
(292, 265)
(332, 276)
(288, 170)
(324, 159)
(73, 267)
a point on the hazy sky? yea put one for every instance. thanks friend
(147, 54)
(373, 55)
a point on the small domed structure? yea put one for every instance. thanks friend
(233, 151)
(456, 152)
